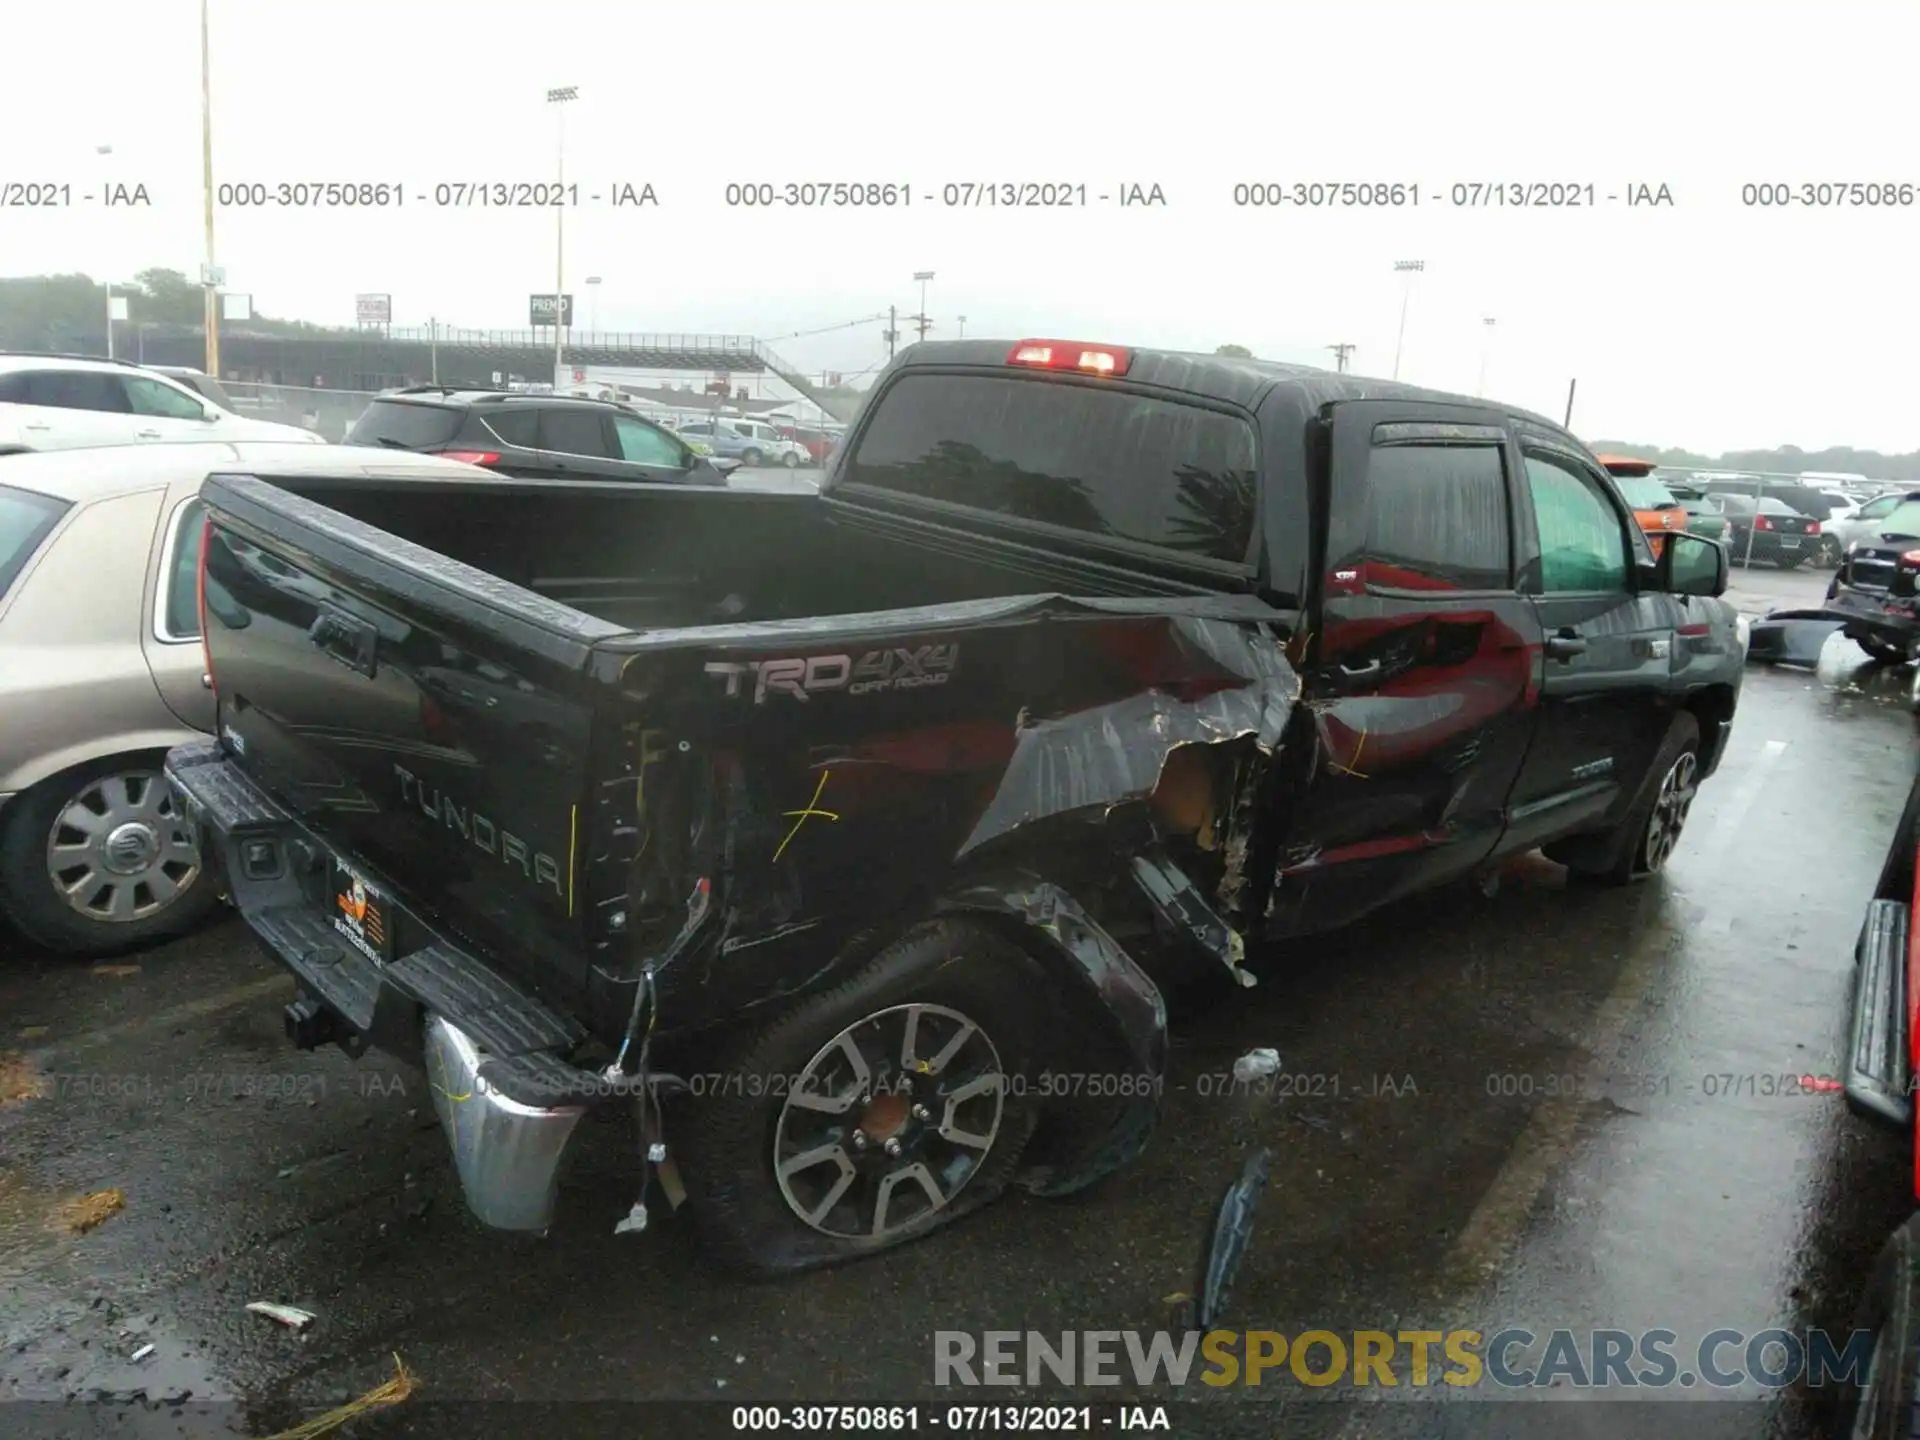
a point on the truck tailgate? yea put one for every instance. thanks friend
(429, 723)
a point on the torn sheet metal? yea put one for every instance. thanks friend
(1109, 754)
(1094, 962)
(1181, 906)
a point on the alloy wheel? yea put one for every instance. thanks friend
(1670, 809)
(118, 851)
(888, 1122)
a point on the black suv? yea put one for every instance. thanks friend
(538, 437)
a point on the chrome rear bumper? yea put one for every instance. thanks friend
(507, 1153)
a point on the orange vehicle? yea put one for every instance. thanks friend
(1653, 504)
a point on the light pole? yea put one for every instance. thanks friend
(593, 305)
(209, 272)
(1486, 349)
(116, 310)
(963, 327)
(560, 95)
(1408, 268)
(920, 320)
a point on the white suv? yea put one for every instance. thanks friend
(50, 402)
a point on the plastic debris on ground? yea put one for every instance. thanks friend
(290, 1316)
(1227, 1245)
(1256, 1065)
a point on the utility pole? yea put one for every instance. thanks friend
(1572, 385)
(963, 327)
(1340, 354)
(921, 321)
(892, 333)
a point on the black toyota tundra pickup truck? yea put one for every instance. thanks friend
(831, 830)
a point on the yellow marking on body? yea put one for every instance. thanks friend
(800, 817)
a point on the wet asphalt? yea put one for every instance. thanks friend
(1545, 1106)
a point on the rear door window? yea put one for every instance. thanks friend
(1437, 517)
(25, 521)
(1103, 462)
(575, 432)
(179, 607)
(148, 396)
(518, 426)
(76, 390)
(403, 425)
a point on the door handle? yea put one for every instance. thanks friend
(1360, 672)
(1565, 646)
(148, 434)
(36, 427)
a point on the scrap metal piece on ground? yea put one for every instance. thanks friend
(1227, 1246)
(288, 1315)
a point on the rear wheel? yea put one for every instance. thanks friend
(97, 860)
(871, 1114)
(1645, 838)
(751, 457)
(1830, 551)
(1879, 1405)
(1885, 651)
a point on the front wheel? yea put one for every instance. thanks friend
(96, 860)
(1644, 840)
(871, 1114)
(790, 460)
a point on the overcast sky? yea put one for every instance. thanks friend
(1707, 324)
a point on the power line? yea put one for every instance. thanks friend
(825, 329)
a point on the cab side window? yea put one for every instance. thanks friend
(147, 396)
(1437, 517)
(179, 608)
(1879, 509)
(1582, 545)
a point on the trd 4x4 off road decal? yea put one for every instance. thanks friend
(899, 668)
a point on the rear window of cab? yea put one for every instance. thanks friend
(1085, 457)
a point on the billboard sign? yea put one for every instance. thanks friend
(540, 310)
(373, 309)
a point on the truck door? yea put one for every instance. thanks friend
(1425, 671)
(1608, 647)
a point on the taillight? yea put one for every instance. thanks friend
(1071, 355)
(1911, 557)
(200, 601)
(473, 457)
(1813, 527)
(1760, 522)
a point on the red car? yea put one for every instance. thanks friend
(1883, 1056)
(819, 443)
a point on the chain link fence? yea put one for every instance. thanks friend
(329, 412)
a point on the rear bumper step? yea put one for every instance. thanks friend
(495, 1054)
(1879, 1073)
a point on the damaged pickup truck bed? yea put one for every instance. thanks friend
(839, 824)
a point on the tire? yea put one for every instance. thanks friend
(1830, 552)
(1881, 1405)
(751, 458)
(790, 460)
(1882, 651)
(749, 1217)
(1635, 848)
(131, 786)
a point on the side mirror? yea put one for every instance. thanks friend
(1692, 565)
(209, 414)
